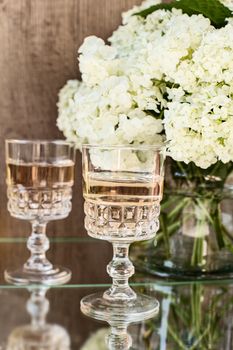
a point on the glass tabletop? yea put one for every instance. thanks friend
(192, 315)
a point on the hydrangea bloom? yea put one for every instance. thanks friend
(228, 3)
(168, 75)
(198, 125)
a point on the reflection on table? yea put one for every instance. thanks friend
(38, 335)
(193, 316)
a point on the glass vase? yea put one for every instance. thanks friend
(195, 239)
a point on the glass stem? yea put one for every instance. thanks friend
(38, 244)
(38, 307)
(119, 338)
(120, 269)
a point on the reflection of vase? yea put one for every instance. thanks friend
(196, 226)
(195, 316)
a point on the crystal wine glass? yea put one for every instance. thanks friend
(40, 176)
(123, 187)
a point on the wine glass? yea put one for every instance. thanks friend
(123, 187)
(38, 335)
(40, 176)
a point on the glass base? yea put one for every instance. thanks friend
(219, 265)
(116, 312)
(46, 337)
(56, 276)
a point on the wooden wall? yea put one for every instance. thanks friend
(38, 53)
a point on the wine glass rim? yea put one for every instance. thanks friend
(144, 147)
(39, 141)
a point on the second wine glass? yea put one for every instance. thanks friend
(40, 176)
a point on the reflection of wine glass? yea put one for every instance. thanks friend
(38, 335)
(123, 188)
(114, 338)
(40, 176)
(118, 336)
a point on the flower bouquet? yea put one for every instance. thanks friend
(166, 74)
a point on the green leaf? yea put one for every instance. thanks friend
(165, 84)
(163, 219)
(212, 9)
(217, 222)
(155, 114)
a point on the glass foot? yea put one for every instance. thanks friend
(43, 338)
(113, 312)
(56, 276)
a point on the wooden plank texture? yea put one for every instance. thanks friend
(39, 41)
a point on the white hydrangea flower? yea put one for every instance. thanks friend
(213, 60)
(182, 35)
(132, 128)
(167, 61)
(67, 109)
(104, 114)
(97, 61)
(228, 3)
(200, 126)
